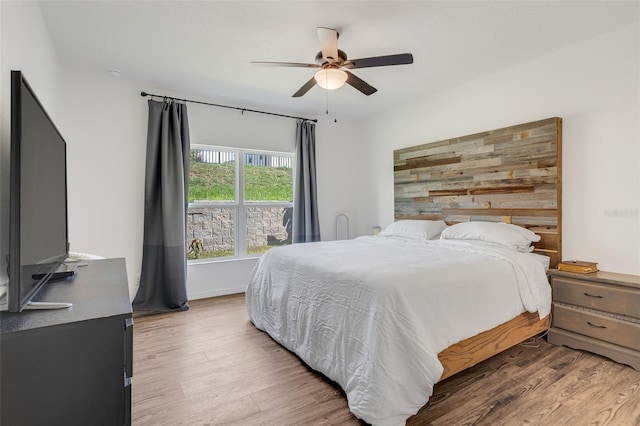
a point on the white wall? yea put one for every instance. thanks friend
(103, 124)
(25, 46)
(594, 86)
(339, 161)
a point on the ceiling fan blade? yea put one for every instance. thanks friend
(304, 89)
(286, 64)
(380, 61)
(360, 84)
(328, 44)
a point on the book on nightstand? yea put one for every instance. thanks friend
(579, 266)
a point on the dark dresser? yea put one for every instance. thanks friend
(71, 366)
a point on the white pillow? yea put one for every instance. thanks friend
(415, 229)
(512, 236)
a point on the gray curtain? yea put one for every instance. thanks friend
(163, 277)
(306, 226)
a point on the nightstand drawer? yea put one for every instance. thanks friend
(611, 330)
(598, 296)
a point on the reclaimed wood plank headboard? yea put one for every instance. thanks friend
(511, 175)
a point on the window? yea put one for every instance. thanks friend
(240, 202)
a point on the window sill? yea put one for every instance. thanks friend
(221, 260)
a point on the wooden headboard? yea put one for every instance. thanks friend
(510, 175)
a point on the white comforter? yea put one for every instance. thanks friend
(372, 314)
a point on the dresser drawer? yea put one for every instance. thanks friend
(611, 330)
(598, 296)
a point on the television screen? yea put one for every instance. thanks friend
(38, 195)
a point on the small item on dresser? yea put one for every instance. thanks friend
(578, 266)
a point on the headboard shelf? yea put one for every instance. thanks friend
(508, 175)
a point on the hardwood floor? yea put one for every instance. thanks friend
(211, 366)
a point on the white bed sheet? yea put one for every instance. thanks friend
(373, 313)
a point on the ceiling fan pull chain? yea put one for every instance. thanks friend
(327, 101)
(335, 120)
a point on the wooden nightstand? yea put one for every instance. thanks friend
(597, 312)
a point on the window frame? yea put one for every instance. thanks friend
(240, 204)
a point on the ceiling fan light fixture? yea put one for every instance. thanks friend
(331, 78)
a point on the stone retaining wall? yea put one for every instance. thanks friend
(214, 226)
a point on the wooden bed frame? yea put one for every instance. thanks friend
(510, 175)
(473, 350)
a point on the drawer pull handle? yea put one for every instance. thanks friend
(596, 326)
(593, 295)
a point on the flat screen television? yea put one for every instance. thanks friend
(38, 237)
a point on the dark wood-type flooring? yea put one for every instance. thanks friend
(211, 366)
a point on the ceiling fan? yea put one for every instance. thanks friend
(334, 64)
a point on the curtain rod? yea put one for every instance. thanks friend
(143, 94)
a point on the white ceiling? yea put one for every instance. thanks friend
(205, 48)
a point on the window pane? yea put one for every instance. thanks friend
(268, 178)
(211, 232)
(212, 176)
(268, 227)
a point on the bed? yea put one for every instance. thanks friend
(449, 284)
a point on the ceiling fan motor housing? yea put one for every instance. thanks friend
(341, 59)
